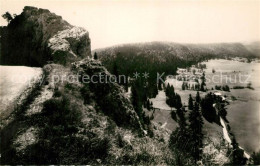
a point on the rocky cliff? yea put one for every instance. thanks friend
(37, 36)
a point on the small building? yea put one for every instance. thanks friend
(181, 70)
(220, 95)
(217, 93)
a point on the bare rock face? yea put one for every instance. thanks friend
(72, 43)
(37, 36)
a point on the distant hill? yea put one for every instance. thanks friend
(164, 50)
(254, 47)
(166, 56)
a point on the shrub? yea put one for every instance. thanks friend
(62, 112)
(173, 115)
(225, 88)
(86, 94)
(233, 98)
(255, 157)
(249, 86)
(238, 87)
(120, 141)
(217, 87)
(59, 142)
(57, 93)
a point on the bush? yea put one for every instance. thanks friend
(238, 87)
(256, 158)
(62, 112)
(59, 142)
(225, 88)
(249, 86)
(86, 94)
(120, 141)
(57, 93)
(218, 87)
(173, 115)
(233, 98)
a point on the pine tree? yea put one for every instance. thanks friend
(195, 128)
(171, 96)
(180, 139)
(183, 86)
(178, 103)
(115, 72)
(95, 56)
(159, 85)
(182, 120)
(8, 17)
(167, 89)
(148, 106)
(126, 84)
(238, 154)
(172, 89)
(155, 91)
(136, 101)
(198, 99)
(190, 106)
(203, 84)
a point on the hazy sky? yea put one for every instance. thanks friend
(114, 22)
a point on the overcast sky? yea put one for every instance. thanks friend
(115, 22)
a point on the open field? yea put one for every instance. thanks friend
(244, 111)
(14, 80)
(244, 118)
(162, 115)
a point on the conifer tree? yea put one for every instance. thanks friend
(95, 56)
(171, 97)
(190, 106)
(182, 120)
(136, 101)
(203, 79)
(8, 17)
(159, 85)
(148, 106)
(167, 89)
(183, 86)
(178, 103)
(195, 128)
(151, 105)
(115, 72)
(198, 99)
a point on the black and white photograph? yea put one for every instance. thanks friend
(130, 82)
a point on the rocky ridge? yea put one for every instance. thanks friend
(37, 36)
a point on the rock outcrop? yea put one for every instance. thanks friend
(37, 36)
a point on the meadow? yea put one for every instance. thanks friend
(243, 111)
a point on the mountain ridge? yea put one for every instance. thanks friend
(181, 50)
